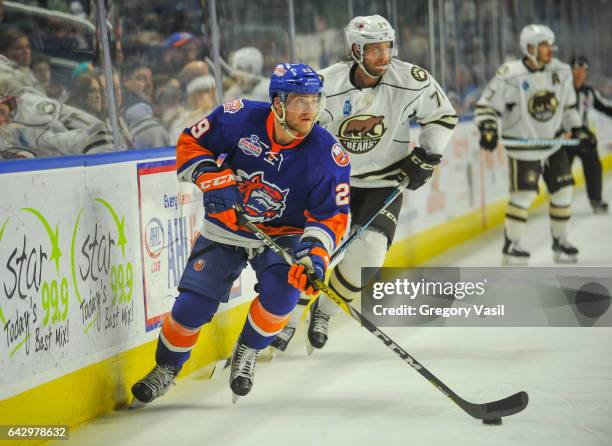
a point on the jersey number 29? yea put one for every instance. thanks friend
(200, 128)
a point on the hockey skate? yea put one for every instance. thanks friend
(563, 251)
(599, 206)
(281, 341)
(155, 384)
(243, 370)
(514, 254)
(318, 326)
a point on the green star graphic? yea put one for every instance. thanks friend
(53, 236)
(119, 223)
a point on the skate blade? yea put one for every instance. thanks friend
(309, 348)
(220, 366)
(235, 398)
(136, 404)
(564, 259)
(514, 261)
(273, 352)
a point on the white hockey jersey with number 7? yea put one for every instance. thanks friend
(530, 105)
(373, 124)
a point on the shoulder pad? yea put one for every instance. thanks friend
(408, 74)
(557, 65)
(333, 69)
(510, 68)
(419, 73)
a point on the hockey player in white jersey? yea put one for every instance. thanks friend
(533, 99)
(370, 99)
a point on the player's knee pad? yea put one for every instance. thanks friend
(193, 310)
(522, 198)
(368, 250)
(275, 293)
(562, 197)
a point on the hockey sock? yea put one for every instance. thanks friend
(516, 221)
(560, 211)
(261, 326)
(181, 327)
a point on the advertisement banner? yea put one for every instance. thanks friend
(170, 218)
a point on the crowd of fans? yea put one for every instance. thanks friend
(53, 92)
(54, 103)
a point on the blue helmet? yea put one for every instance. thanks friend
(294, 78)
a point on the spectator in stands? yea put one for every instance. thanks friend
(46, 127)
(247, 63)
(15, 45)
(123, 127)
(181, 48)
(41, 67)
(8, 105)
(200, 101)
(86, 94)
(169, 104)
(178, 50)
(146, 129)
(192, 70)
(138, 83)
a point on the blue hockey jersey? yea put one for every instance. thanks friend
(299, 188)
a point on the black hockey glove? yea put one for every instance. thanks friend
(488, 134)
(587, 138)
(418, 166)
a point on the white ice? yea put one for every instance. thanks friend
(357, 392)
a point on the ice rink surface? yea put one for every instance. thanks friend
(357, 392)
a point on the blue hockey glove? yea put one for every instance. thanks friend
(220, 195)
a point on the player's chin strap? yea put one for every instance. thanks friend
(285, 127)
(363, 68)
(536, 59)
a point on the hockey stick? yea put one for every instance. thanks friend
(390, 198)
(489, 413)
(540, 142)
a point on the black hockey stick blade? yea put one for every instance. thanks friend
(496, 409)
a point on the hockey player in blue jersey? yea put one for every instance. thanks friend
(291, 178)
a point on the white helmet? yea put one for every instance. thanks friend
(248, 59)
(370, 29)
(534, 35)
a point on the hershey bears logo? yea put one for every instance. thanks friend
(543, 105)
(360, 133)
(418, 73)
(263, 201)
